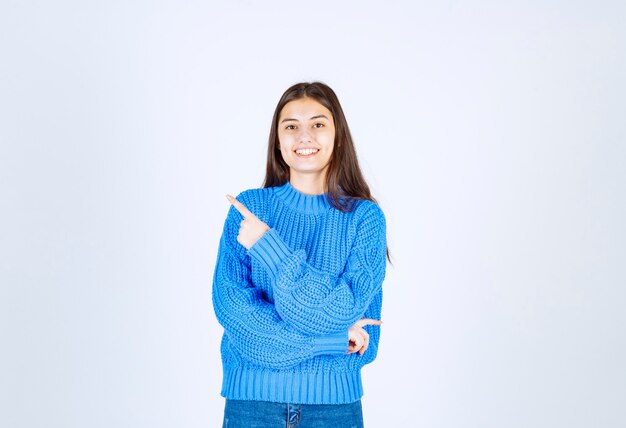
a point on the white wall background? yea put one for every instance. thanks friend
(492, 133)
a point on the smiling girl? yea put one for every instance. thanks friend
(298, 280)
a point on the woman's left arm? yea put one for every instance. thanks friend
(314, 301)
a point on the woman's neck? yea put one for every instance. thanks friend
(309, 184)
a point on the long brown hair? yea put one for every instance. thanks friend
(344, 179)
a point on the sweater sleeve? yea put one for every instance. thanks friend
(314, 301)
(251, 323)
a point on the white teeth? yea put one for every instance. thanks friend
(306, 151)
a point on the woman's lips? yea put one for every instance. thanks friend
(306, 153)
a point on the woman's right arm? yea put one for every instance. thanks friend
(250, 322)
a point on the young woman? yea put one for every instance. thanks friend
(298, 280)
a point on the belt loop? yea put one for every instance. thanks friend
(293, 415)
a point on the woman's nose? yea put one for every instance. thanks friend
(305, 136)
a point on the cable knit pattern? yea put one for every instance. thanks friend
(286, 304)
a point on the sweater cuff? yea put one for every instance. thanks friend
(332, 344)
(270, 250)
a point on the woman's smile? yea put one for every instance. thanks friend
(306, 153)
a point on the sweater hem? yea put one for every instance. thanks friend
(259, 384)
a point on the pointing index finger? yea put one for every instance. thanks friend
(368, 321)
(245, 212)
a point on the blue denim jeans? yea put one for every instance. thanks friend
(264, 414)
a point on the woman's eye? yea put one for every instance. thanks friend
(290, 127)
(318, 125)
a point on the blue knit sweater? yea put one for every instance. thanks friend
(287, 303)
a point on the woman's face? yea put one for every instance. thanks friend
(306, 133)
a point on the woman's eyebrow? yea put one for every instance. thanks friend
(319, 116)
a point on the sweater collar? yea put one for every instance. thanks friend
(308, 204)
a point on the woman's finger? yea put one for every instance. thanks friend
(245, 212)
(363, 337)
(356, 339)
(368, 321)
(353, 348)
(366, 343)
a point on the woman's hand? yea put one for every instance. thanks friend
(251, 228)
(358, 337)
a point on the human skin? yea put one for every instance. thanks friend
(306, 135)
